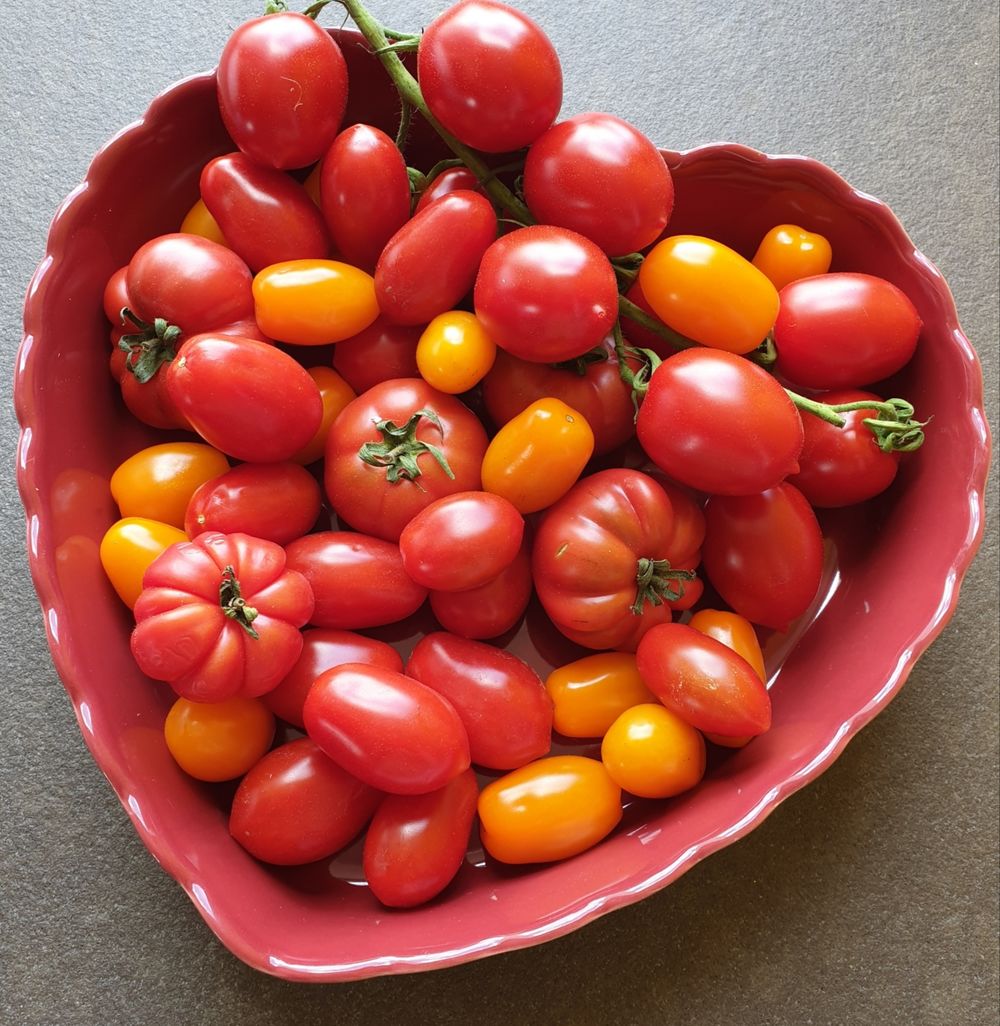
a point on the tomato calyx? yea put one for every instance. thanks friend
(276, 7)
(148, 348)
(656, 582)
(400, 449)
(234, 606)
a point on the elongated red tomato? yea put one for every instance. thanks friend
(282, 84)
(358, 581)
(246, 398)
(365, 193)
(386, 729)
(501, 701)
(381, 352)
(431, 262)
(297, 806)
(265, 214)
(416, 843)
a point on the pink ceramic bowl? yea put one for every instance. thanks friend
(893, 571)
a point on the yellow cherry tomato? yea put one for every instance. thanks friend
(737, 633)
(789, 252)
(548, 810)
(589, 694)
(537, 457)
(127, 549)
(157, 483)
(709, 293)
(454, 352)
(313, 302)
(218, 740)
(311, 184)
(198, 221)
(336, 393)
(651, 752)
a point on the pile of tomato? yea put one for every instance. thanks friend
(534, 390)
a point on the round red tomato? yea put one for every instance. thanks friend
(282, 84)
(546, 294)
(116, 296)
(490, 75)
(397, 448)
(601, 177)
(844, 330)
(381, 352)
(719, 423)
(764, 554)
(386, 729)
(452, 179)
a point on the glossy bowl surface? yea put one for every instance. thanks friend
(878, 609)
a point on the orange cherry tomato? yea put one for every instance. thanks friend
(651, 752)
(591, 693)
(313, 302)
(737, 633)
(311, 183)
(789, 252)
(550, 809)
(455, 352)
(198, 221)
(537, 457)
(336, 393)
(127, 549)
(218, 740)
(709, 293)
(157, 483)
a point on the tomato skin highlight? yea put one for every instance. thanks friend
(218, 740)
(416, 843)
(298, 806)
(589, 694)
(128, 548)
(788, 253)
(548, 810)
(503, 705)
(282, 84)
(386, 729)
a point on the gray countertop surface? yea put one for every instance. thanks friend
(868, 897)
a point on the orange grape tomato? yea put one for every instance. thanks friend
(651, 752)
(313, 302)
(537, 457)
(455, 352)
(311, 183)
(789, 252)
(336, 393)
(157, 483)
(218, 740)
(550, 809)
(127, 549)
(709, 293)
(198, 221)
(591, 693)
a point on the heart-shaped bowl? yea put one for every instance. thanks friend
(893, 569)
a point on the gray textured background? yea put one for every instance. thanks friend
(869, 897)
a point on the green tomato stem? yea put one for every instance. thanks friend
(626, 308)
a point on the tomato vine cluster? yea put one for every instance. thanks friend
(534, 390)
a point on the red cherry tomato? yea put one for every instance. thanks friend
(431, 262)
(282, 89)
(764, 554)
(247, 398)
(265, 214)
(386, 729)
(719, 423)
(490, 75)
(416, 843)
(297, 806)
(501, 701)
(452, 179)
(380, 490)
(601, 177)
(365, 193)
(841, 466)
(707, 684)
(546, 294)
(219, 617)
(275, 501)
(461, 541)
(381, 352)
(358, 581)
(116, 296)
(844, 330)
(148, 401)
(323, 649)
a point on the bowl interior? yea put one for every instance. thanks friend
(316, 921)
